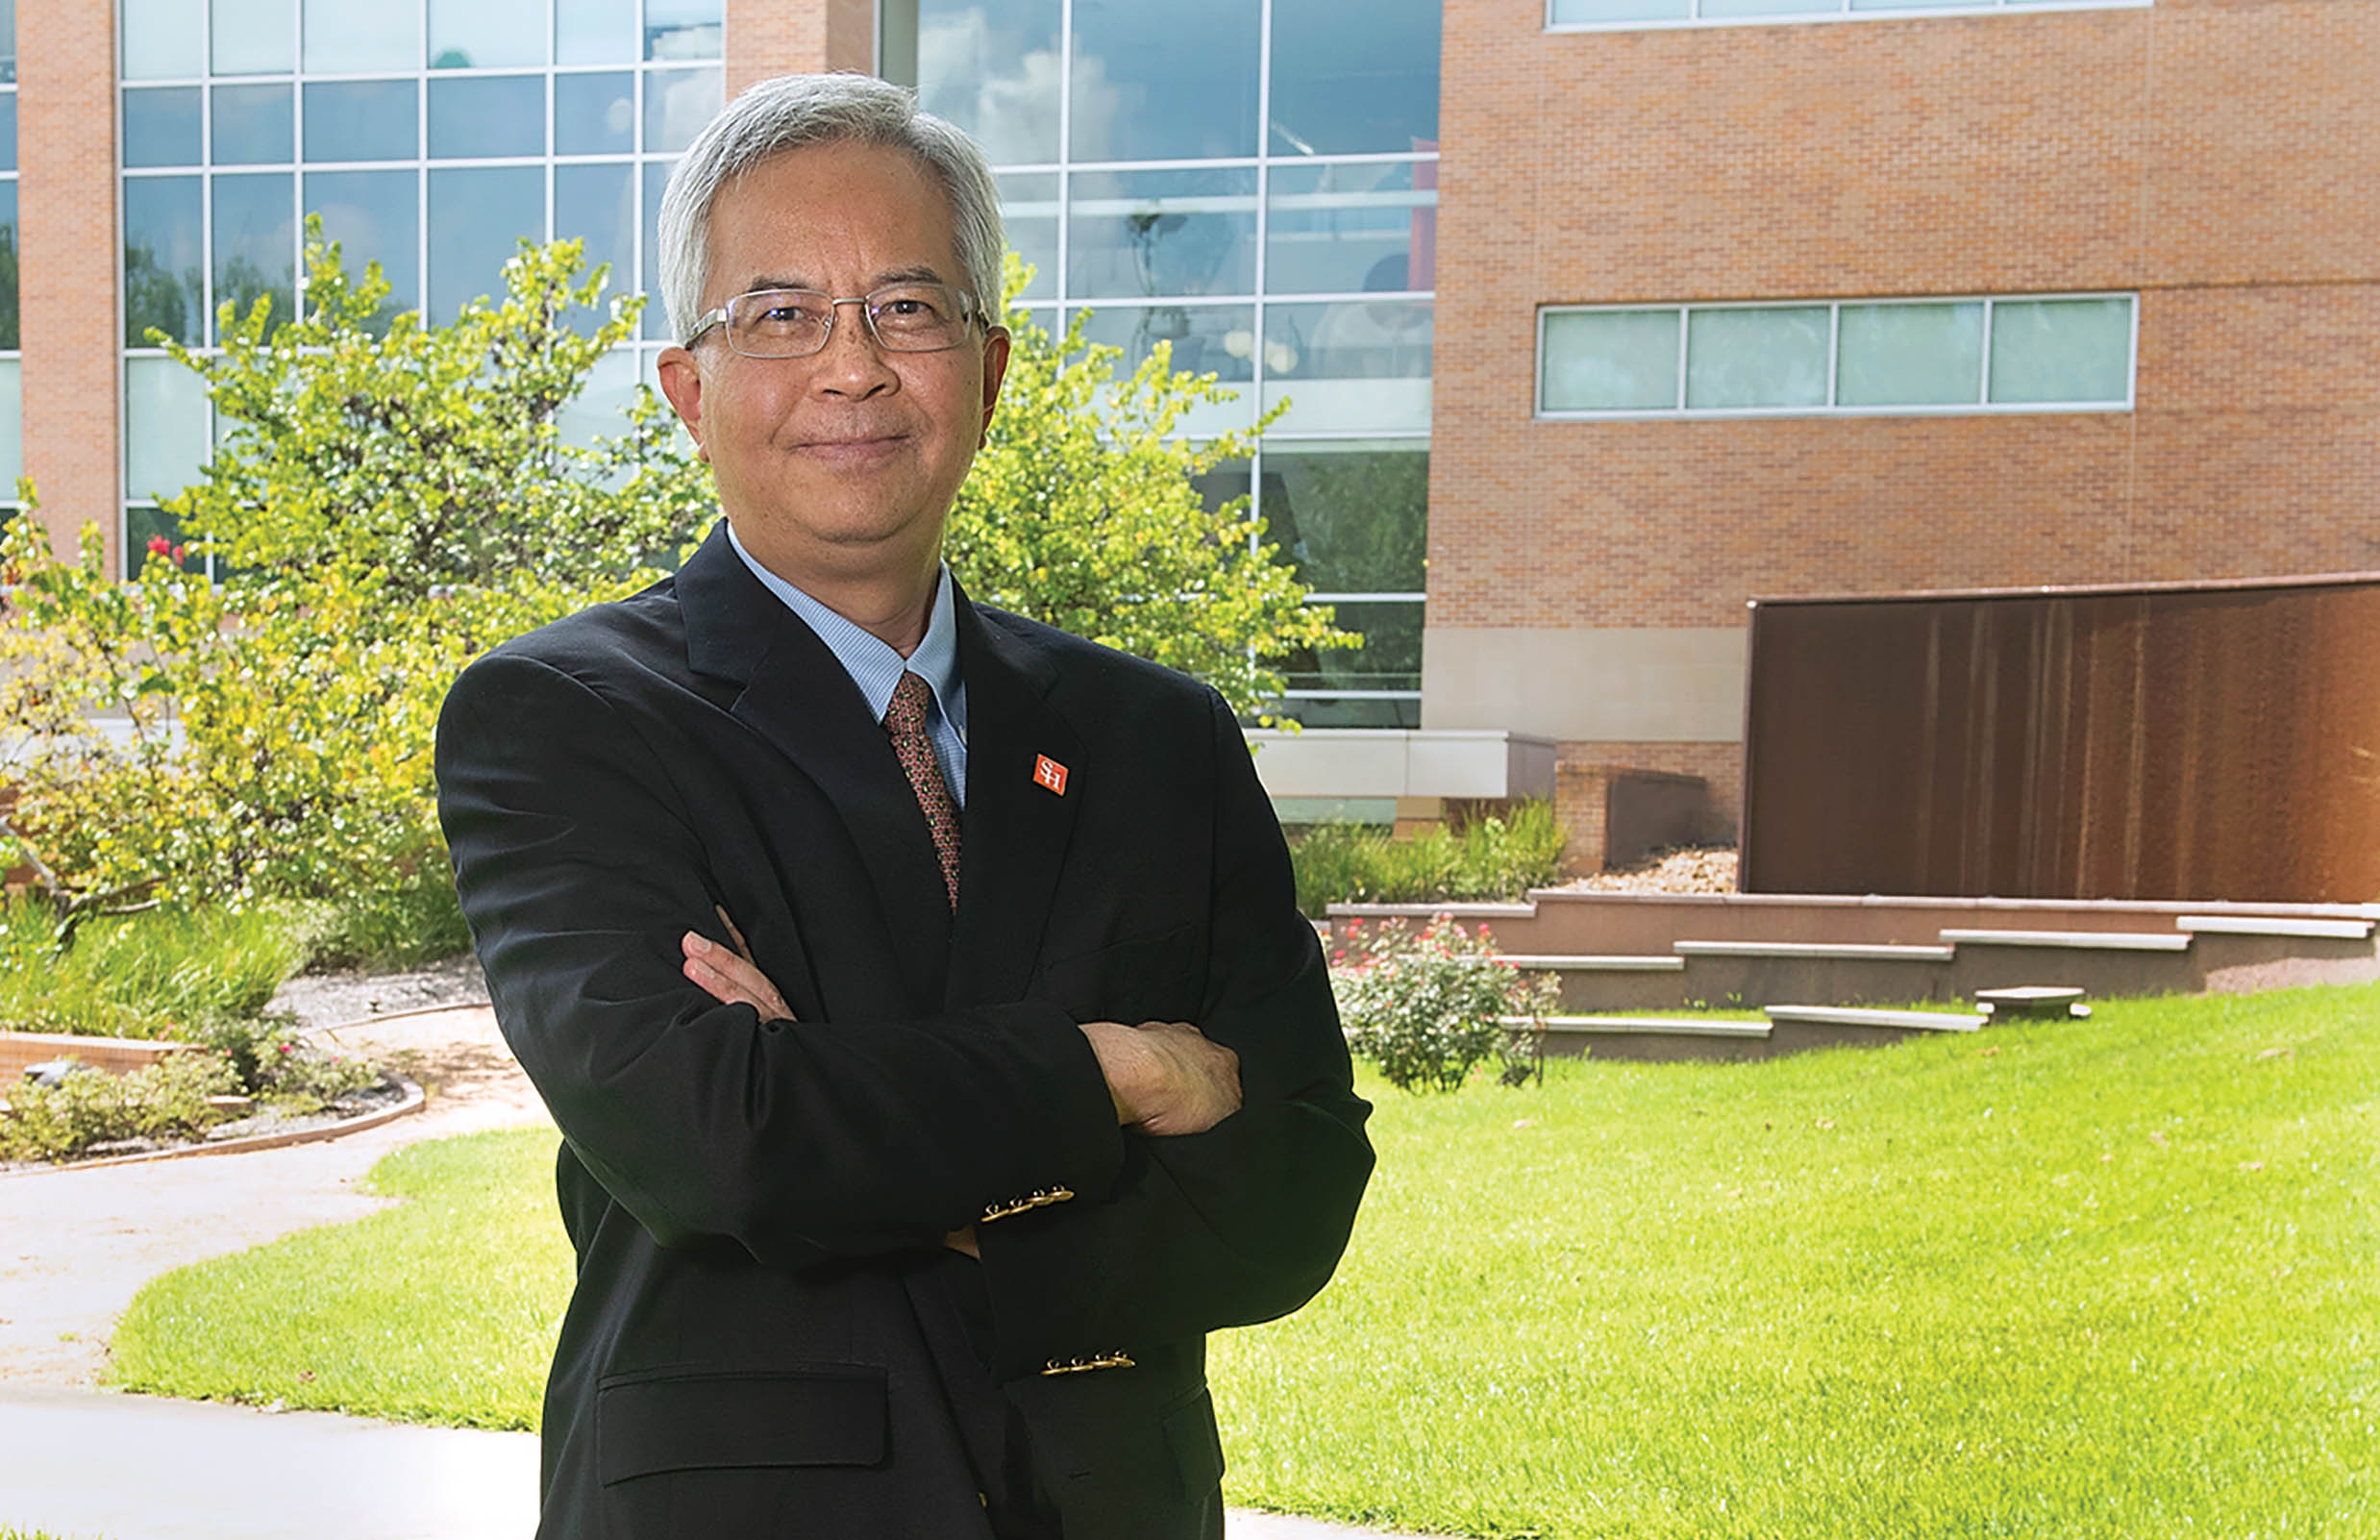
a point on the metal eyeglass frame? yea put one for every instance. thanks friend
(970, 312)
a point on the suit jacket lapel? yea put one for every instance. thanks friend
(1015, 830)
(796, 695)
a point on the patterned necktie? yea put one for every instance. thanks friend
(905, 721)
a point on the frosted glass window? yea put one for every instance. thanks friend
(165, 285)
(678, 104)
(486, 33)
(160, 126)
(1344, 228)
(356, 36)
(683, 29)
(255, 37)
(2068, 350)
(164, 39)
(375, 216)
(1582, 13)
(1767, 357)
(1028, 209)
(595, 32)
(253, 126)
(166, 428)
(1355, 75)
(1610, 361)
(594, 114)
(361, 120)
(991, 67)
(1161, 232)
(1146, 87)
(1910, 356)
(477, 219)
(12, 425)
(482, 116)
(254, 245)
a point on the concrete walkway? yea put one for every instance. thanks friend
(75, 1246)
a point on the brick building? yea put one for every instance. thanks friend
(1744, 297)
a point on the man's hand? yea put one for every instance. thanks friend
(1166, 1077)
(731, 977)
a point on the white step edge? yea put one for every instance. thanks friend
(2276, 925)
(1617, 963)
(1426, 911)
(1642, 1026)
(1843, 951)
(2072, 940)
(1932, 1021)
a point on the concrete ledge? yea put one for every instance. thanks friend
(2276, 925)
(1640, 1026)
(1930, 1020)
(2071, 940)
(1842, 950)
(1563, 962)
(1428, 911)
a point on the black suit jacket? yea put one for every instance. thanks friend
(767, 1336)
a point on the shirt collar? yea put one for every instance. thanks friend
(871, 662)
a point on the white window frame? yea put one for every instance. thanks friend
(1825, 10)
(1981, 407)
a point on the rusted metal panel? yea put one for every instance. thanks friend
(2175, 742)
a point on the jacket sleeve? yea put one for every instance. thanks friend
(1240, 1224)
(800, 1141)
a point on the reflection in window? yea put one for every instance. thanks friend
(597, 205)
(164, 287)
(683, 29)
(2062, 350)
(1354, 77)
(167, 427)
(656, 314)
(1348, 366)
(1352, 513)
(361, 120)
(1217, 340)
(254, 36)
(9, 329)
(991, 67)
(678, 103)
(1145, 87)
(254, 245)
(1909, 355)
(376, 217)
(8, 131)
(594, 114)
(1343, 228)
(1390, 657)
(1029, 213)
(253, 126)
(163, 39)
(1757, 356)
(357, 37)
(486, 33)
(478, 216)
(1139, 233)
(478, 116)
(160, 126)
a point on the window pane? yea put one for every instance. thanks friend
(8, 40)
(12, 425)
(1767, 357)
(480, 115)
(255, 37)
(357, 36)
(596, 412)
(1146, 87)
(1389, 660)
(164, 39)
(253, 126)
(597, 204)
(1355, 75)
(1349, 366)
(8, 330)
(678, 103)
(361, 120)
(594, 114)
(2062, 350)
(595, 32)
(1218, 339)
(163, 284)
(8, 131)
(1927, 5)
(1162, 232)
(991, 67)
(1353, 517)
(1610, 360)
(1029, 211)
(1910, 356)
(1582, 13)
(477, 219)
(1716, 9)
(140, 526)
(656, 177)
(683, 29)
(256, 243)
(486, 33)
(1349, 228)
(160, 126)
(165, 427)
(374, 217)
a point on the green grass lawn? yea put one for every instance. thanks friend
(2118, 1277)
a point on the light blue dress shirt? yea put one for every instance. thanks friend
(877, 668)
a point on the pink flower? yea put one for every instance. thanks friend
(177, 554)
(159, 545)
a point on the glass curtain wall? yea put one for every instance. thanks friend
(12, 360)
(429, 135)
(1255, 182)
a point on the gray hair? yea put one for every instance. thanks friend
(795, 112)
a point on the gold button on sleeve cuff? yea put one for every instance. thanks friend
(1076, 1366)
(1040, 1198)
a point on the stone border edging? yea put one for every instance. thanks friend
(406, 1015)
(413, 1102)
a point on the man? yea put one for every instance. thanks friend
(936, 1047)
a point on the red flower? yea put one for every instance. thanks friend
(285, 1048)
(177, 555)
(159, 545)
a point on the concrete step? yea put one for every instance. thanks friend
(1651, 1039)
(1817, 951)
(2072, 940)
(2276, 925)
(1794, 1029)
(1578, 962)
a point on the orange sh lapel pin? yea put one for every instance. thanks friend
(1049, 773)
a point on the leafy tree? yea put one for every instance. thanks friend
(1083, 511)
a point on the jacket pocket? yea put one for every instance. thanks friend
(683, 1419)
(1130, 982)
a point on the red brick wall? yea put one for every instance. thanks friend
(2214, 154)
(67, 249)
(767, 37)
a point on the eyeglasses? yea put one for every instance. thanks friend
(794, 323)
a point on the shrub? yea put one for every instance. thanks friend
(1426, 1006)
(89, 1109)
(1494, 858)
(156, 974)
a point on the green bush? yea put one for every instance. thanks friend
(1426, 1006)
(155, 974)
(1496, 857)
(166, 1100)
